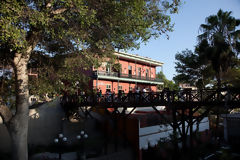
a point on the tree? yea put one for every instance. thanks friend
(215, 56)
(166, 83)
(220, 45)
(220, 42)
(232, 76)
(89, 28)
(191, 68)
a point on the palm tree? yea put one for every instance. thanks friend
(219, 45)
(219, 42)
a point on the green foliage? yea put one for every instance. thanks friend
(232, 76)
(167, 83)
(87, 30)
(6, 88)
(60, 73)
(219, 43)
(117, 66)
(65, 36)
(191, 68)
(95, 24)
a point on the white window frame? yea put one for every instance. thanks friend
(139, 72)
(147, 72)
(108, 86)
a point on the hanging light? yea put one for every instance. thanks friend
(56, 140)
(85, 136)
(64, 139)
(82, 132)
(78, 137)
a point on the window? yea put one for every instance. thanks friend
(139, 72)
(147, 73)
(130, 71)
(108, 68)
(33, 99)
(119, 87)
(108, 86)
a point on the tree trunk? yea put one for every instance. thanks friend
(219, 81)
(18, 125)
(219, 84)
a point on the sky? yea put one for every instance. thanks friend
(191, 15)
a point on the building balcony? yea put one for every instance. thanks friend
(125, 77)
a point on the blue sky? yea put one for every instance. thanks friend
(191, 15)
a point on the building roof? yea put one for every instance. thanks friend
(138, 58)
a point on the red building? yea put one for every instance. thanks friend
(136, 72)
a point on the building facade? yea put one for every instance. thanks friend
(135, 73)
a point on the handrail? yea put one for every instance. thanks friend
(122, 75)
(203, 97)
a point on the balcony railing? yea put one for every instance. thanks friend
(121, 75)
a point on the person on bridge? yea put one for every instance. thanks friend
(113, 96)
(144, 93)
(136, 94)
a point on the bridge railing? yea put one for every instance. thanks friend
(157, 98)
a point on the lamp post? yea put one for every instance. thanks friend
(59, 142)
(81, 139)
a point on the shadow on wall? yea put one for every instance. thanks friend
(45, 122)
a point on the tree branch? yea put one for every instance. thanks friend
(48, 5)
(59, 11)
(5, 113)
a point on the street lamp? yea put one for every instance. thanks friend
(81, 138)
(78, 137)
(59, 142)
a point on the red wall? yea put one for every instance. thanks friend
(125, 86)
(135, 67)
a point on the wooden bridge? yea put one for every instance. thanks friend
(229, 98)
(181, 104)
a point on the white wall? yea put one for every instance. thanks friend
(44, 124)
(150, 136)
(232, 127)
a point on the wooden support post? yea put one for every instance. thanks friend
(125, 130)
(106, 137)
(115, 132)
(190, 121)
(175, 135)
(191, 126)
(183, 129)
(190, 115)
